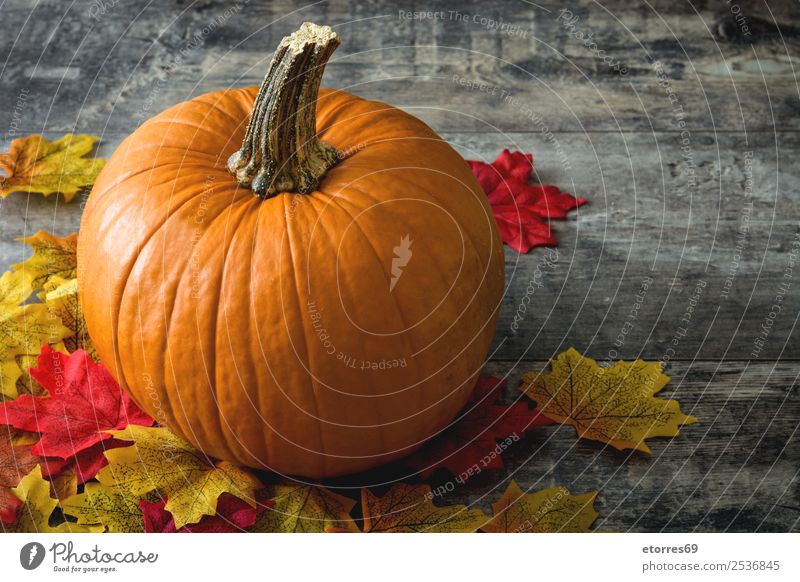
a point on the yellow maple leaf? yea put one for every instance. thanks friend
(33, 516)
(10, 374)
(303, 508)
(34, 164)
(15, 288)
(613, 405)
(551, 510)
(61, 298)
(409, 508)
(53, 256)
(113, 507)
(190, 481)
(23, 328)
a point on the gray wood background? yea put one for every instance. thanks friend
(681, 132)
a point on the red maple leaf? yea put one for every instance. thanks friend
(472, 440)
(233, 515)
(16, 461)
(83, 402)
(520, 209)
(88, 462)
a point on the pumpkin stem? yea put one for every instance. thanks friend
(281, 151)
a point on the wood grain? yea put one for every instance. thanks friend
(79, 67)
(697, 139)
(735, 470)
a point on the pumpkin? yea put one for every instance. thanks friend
(291, 278)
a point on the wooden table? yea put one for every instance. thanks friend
(678, 122)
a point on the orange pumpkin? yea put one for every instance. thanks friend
(313, 292)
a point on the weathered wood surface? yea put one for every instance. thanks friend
(656, 210)
(105, 64)
(735, 470)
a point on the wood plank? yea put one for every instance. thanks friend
(657, 212)
(643, 221)
(735, 470)
(73, 66)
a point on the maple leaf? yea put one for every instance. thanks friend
(297, 507)
(88, 462)
(156, 518)
(27, 384)
(53, 256)
(61, 298)
(33, 515)
(233, 515)
(521, 209)
(65, 484)
(8, 505)
(114, 508)
(84, 401)
(612, 405)
(34, 164)
(471, 444)
(161, 460)
(551, 510)
(17, 460)
(19, 437)
(409, 508)
(15, 288)
(23, 328)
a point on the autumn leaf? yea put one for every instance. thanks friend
(156, 518)
(26, 383)
(551, 510)
(521, 209)
(8, 505)
(409, 508)
(33, 515)
(61, 298)
(65, 484)
(19, 437)
(477, 438)
(52, 257)
(84, 401)
(15, 288)
(34, 164)
(23, 328)
(17, 460)
(88, 462)
(191, 482)
(115, 508)
(305, 508)
(233, 515)
(612, 405)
